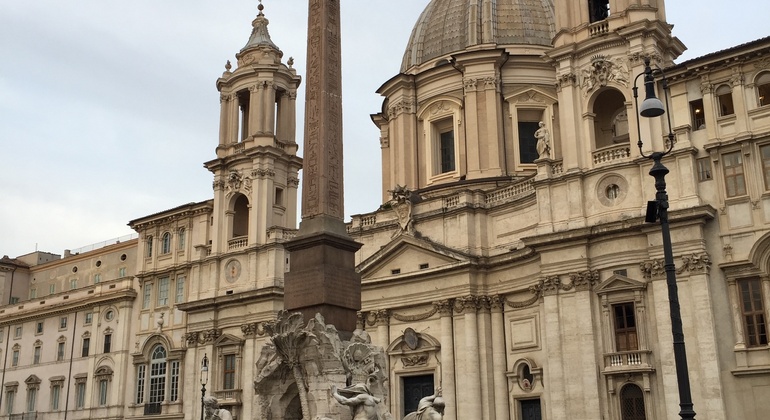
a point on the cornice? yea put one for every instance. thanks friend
(238, 299)
(68, 307)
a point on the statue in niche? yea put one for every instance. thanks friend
(429, 408)
(212, 410)
(543, 141)
(363, 405)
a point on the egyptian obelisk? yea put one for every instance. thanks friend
(322, 277)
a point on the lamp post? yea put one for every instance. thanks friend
(658, 210)
(204, 380)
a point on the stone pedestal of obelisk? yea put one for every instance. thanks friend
(322, 277)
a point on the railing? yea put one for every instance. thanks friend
(369, 220)
(23, 416)
(237, 242)
(281, 233)
(228, 395)
(452, 201)
(612, 153)
(599, 28)
(557, 167)
(152, 409)
(627, 360)
(510, 192)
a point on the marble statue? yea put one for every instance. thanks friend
(429, 408)
(212, 410)
(543, 141)
(363, 405)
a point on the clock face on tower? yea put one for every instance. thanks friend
(232, 271)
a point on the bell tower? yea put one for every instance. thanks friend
(256, 168)
(600, 45)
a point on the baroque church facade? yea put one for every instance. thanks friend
(520, 278)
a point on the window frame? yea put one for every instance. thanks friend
(179, 287)
(164, 284)
(60, 351)
(735, 171)
(725, 103)
(36, 355)
(107, 343)
(165, 243)
(752, 337)
(85, 347)
(765, 162)
(704, 168)
(629, 312)
(55, 396)
(762, 88)
(697, 114)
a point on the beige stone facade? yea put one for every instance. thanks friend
(524, 283)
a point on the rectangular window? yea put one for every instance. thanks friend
(97, 278)
(764, 152)
(86, 347)
(107, 343)
(696, 114)
(625, 327)
(39, 328)
(725, 101)
(163, 291)
(174, 392)
(36, 356)
(148, 250)
(753, 311)
(704, 169)
(89, 318)
(51, 289)
(179, 289)
(80, 395)
(15, 359)
(528, 141)
(735, 184)
(140, 372)
(32, 293)
(60, 352)
(447, 150)
(63, 323)
(147, 296)
(182, 239)
(31, 399)
(9, 397)
(102, 392)
(55, 392)
(122, 272)
(17, 332)
(278, 197)
(73, 284)
(229, 372)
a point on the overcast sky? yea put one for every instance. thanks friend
(109, 108)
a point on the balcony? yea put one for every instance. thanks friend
(152, 409)
(237, 243)
(612, 153)
(627, 362)
(228, 396)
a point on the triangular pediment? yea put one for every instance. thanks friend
(228, 340)
(618, 283)
(532, 95)
(407, 254)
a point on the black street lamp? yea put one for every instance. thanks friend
(658, 210)
(204, 380)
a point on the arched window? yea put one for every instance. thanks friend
(182, 238)
(165, 243)
(632, 403)
(241, 216)
(611, 119)
(725, 101)
(763, 89)
(157, 379)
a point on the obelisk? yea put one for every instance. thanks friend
(322, 277)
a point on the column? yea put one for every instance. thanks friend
(470, 400)
(291, 117)
(223, 100)
(556, 402)
(255, 109)
(232, 117)
(447, 381)
(735, 310)
(268, 110)
(499, 360)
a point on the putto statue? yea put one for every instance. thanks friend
(363, 405)
(429, 408)
(212, 410)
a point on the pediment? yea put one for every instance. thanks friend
(532, 95)
(228, 340)
(407, 254)
(618, 283)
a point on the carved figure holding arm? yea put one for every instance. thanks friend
(543, 141)
(429, 408)
(363, 405)
(213, 412)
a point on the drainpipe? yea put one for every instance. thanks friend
(502, 102)
(7, 339)
(72, 358)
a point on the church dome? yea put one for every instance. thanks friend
(450, 26)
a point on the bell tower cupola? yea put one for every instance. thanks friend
(256, 166)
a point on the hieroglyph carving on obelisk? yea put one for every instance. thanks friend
(322, 189)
